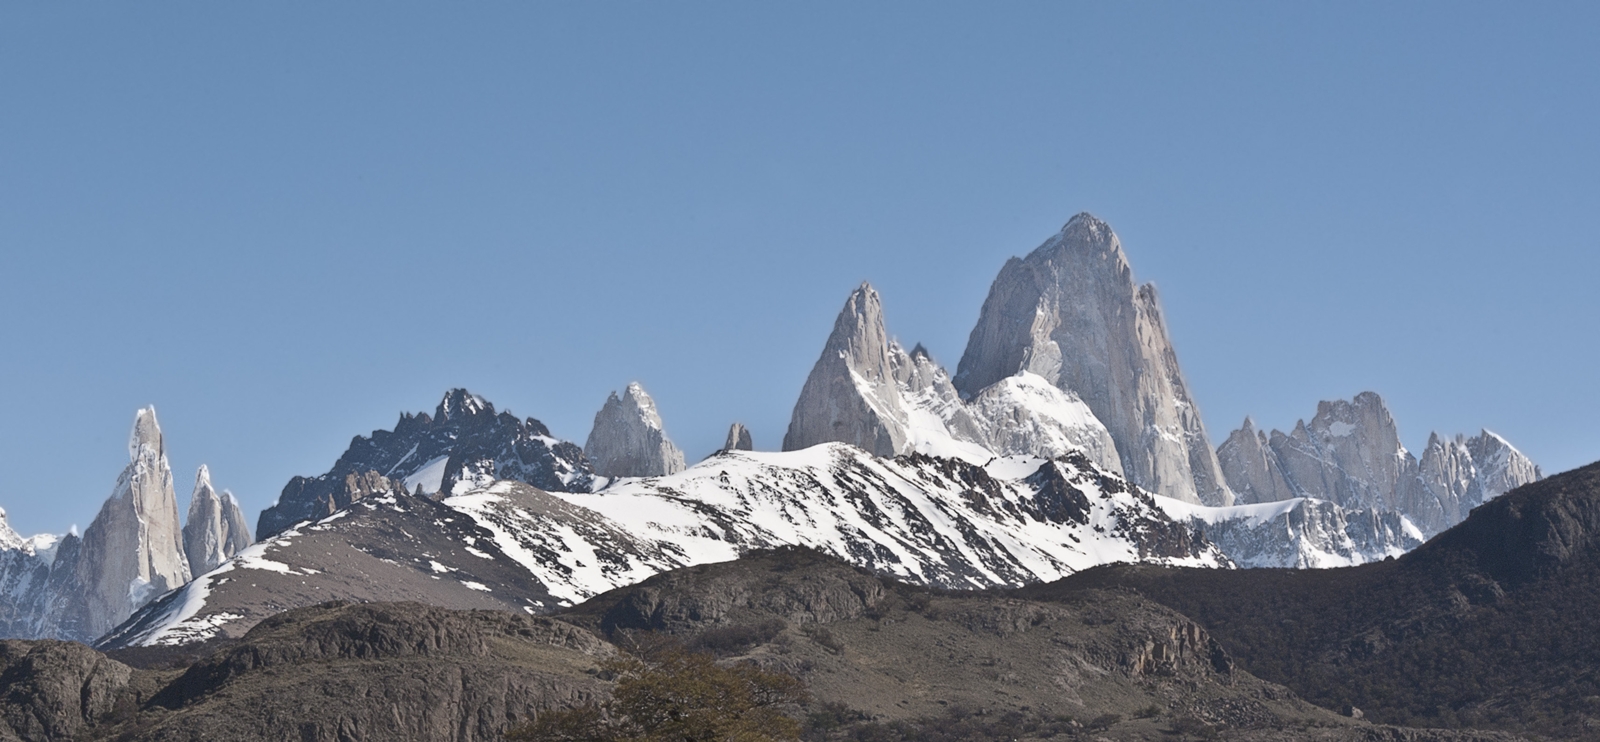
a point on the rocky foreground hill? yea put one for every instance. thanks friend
(881, 660)
(1490, 624)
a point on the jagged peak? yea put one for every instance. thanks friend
(146, 433)
(462, 402)
(202, 478)
(1370, 399)
(738, 438)
(636, 397)
(920, 352)
(1088, 225)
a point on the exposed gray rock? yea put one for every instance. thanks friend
(628, 439)
(1501, 467)
(1350, 453)
(132, 552)
(738, 439)
(216, 528)
(1071, 313)
(867, 391)
(1251, 468)
(33, 572)
(851, 396)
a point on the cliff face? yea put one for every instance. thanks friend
(216, 528)
(1071, 313)
(629, 439)
(868, 391)
(133, 551)
(851, 396)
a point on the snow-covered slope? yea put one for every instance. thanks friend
(938, 521)
(1298, 533)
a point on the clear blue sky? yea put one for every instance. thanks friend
(285, 223)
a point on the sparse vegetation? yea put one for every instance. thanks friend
(675, 694)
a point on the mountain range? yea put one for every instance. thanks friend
(1066, 440)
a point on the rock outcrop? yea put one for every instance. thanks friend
(216, 528)
(1350, 454)
(867, 391)
(1071, 313)
(133, 551)
(67, 587)
(464, 440)
(738, 439)
(54, 690)
(628, 439)
(851, 396)
(1251, 468)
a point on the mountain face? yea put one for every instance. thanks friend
(78, 588)
(216, 527)
(867, 391)
(30, 578)
(1299, 533)
(738, 439)
(133, 550)
(628, 439)
(937, 521)
(851, 396)
(1350, 454)
(464, 440)
(1071, 313)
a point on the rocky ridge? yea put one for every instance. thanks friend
(943, 522)
(629, 440)
(464, 440)
(1350, 454)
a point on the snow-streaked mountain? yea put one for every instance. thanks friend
(67, 587)
(867, 391)
(946, 522)
(1300, 533)
(629, 440)
(1071, 313)
(464, 440)
(1350, 454)
(29, 579)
